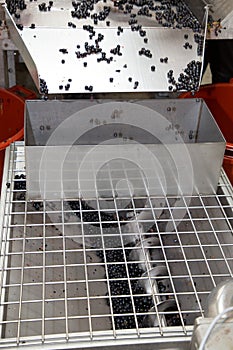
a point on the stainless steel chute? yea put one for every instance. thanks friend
(109, 148)
(110, 46)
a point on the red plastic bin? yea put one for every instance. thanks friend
(12, 118)
(219, 99)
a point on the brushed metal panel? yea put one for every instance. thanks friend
(130, 72)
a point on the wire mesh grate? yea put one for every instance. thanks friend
(76, 270)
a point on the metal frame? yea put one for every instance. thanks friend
(7, 55)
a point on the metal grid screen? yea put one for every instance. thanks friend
(134, 270)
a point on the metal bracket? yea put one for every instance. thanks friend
(7, 44)
(7, 58)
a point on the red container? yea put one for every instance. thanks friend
(228, 167)
(12, 118)
(219, 99)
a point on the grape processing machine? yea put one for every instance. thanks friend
(116, 217)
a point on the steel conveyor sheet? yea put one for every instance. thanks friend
(76, 276)
(114, 47)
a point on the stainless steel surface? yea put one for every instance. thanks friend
(3, 35)
(219, 10)
(197, 7)
(2, 66)
(222, 9)
(16, 39)
(220, 337)
(58, 293)
(86, 147)
(11, 68)
(220, 298)
(46, 63)
(60, 15)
